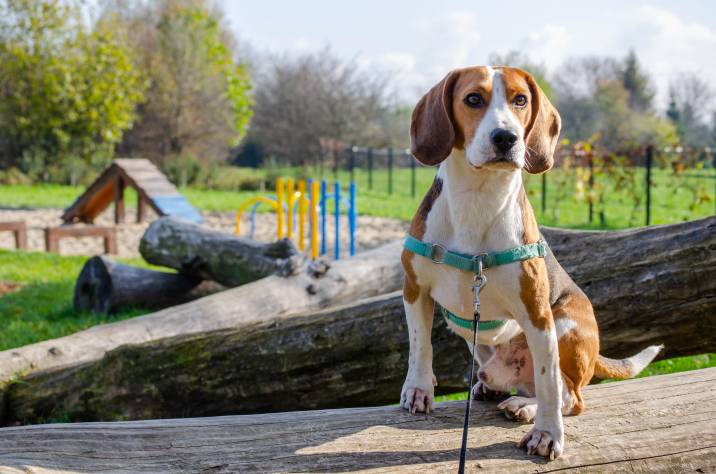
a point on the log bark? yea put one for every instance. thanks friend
(320, 355)
(656, 424)
(105, 286)
(210, 255)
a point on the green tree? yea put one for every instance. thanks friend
(638, 83)
(67, 92)
(199, 102)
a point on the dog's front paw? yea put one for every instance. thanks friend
(542, 443)
(519, 409)
(483, 393)
(418, 397)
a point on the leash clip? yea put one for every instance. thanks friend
(478, 281)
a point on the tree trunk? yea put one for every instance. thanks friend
(210, 255)
(655, 424)
(105, 286)
(354, 355)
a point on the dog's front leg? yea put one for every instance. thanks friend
(418, 389)
(546, 438)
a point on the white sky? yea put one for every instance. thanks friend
(419, 41)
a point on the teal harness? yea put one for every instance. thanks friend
(474, 264)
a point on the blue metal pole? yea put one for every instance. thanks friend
(353, 218)
(337, 207)
(323, 217)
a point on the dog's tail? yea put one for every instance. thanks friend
(607, 368)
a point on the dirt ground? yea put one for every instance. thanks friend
(372, 231)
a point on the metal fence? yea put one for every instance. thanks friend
(582, 169)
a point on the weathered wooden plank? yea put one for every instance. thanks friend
(657, 424)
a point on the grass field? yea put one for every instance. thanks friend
(674, 198)
(41, 308)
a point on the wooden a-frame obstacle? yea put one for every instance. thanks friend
(153, 189)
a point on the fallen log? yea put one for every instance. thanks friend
(104, 286)
(355, 355)
(211, 255)
(656, 424)
(368, 274)
(216, 373)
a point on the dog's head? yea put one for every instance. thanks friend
(499, 116)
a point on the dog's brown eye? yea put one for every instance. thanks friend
(474, 100)
(520, 101)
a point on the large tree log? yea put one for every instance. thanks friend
(657, 424)
(368, 274)
(210, 255)
(104, 286)
(354, 355)
(693, 261)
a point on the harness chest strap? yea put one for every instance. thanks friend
(471, 263)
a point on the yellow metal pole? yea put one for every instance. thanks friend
(315, 192)
(301, 215)
(279, 208)
(290, 198)
(238, 222)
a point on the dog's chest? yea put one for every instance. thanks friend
(473, 230)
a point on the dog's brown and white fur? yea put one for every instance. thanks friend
(549, 347)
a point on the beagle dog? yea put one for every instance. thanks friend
(483, 126)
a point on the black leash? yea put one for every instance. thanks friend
(478, 281)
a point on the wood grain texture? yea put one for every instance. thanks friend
(658, 424)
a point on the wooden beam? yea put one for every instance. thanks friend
(141, 207)
(657, 424)
(119, 201)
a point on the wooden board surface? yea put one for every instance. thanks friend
(657, 424)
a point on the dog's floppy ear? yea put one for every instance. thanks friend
(542, 132)
(432, 133)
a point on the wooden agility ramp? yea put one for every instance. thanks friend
(657, 424)
(153, 189)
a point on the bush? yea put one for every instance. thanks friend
(182, 170)
(13, 176)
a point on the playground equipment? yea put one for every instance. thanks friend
(293, 201)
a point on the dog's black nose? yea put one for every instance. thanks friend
(503, 139)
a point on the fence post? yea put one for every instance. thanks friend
(390, 171)
(591, 187)
(412, 176)
(544, 194)
(370, 169)
(352, 163)
(649, 162)
(321, 157)
(335, 162)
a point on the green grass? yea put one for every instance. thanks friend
(674, 198)
(41, 308)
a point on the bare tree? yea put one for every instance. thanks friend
(302, 99)
(692, 100)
